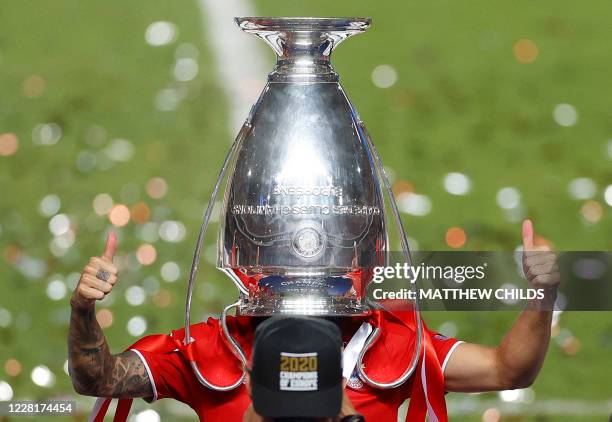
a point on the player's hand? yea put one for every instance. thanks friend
(539, 261)
(98, 277)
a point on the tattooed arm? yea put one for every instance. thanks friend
(93, 369)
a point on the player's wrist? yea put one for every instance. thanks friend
(546, 301)
(81, 305)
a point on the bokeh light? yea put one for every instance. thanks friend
(6, 391)
(457, 183)
(135, 295)
(102, 204)
(571, 346)
(491, 415)
(185, 69)
(384, 76)
(508, 198)
(49, 205)
(608, 195)
(168, 99)
(147, 415)
(160, 33)
(12, 367)
(136, 326)
(60, 244)
(565, 115)
(592, 211)
(33, 86)
(170, 271)
(59, 224)
(402, 186)
(455, 237)
(42, 376)
(509, 395)
(172, 231)
(46, 134)
(414, 204)
(162, 298)
(140, 213)
(582, 188)
(9, 144)
(86, 161)
(11, 253)
(56, 289)
(525, 51)
(519, 395)
(151, 285)
(149, 232)
(120, 150)
(156, 188)
(146, 254)
(119, 215)
(30, 267)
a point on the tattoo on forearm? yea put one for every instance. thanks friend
(94, 370)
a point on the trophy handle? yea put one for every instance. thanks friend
(406, 252)
(233, 344)
(198, 250)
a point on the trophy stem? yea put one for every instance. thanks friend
(303, 45)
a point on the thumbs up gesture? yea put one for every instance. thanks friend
(98, 277)
(539, 262)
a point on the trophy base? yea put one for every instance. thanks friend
(303, 305)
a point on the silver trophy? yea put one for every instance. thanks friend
(304, 216)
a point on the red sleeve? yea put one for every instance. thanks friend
(170, 375)
(444, 347)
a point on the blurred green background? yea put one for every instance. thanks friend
(115, 112)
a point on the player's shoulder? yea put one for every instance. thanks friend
(208, 342)
(398, 329)
(198, 331)
(398, 319)
(210, 330)
(404, 320)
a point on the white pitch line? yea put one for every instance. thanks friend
(239, 57)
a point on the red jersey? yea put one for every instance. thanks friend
(172, 376)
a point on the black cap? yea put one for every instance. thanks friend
(297, 368)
